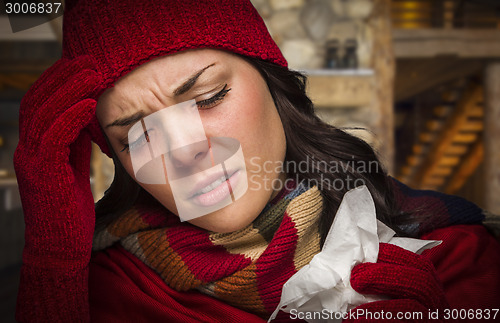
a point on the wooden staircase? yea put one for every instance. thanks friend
(450, 146)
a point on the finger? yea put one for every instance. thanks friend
(36, 119)
(79, 149)
(398, 282)
(395, 255)
(69, 124)
(48, 83)
(392, 254)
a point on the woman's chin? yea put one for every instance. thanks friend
(228, 219)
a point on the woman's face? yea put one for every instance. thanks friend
(233, 101)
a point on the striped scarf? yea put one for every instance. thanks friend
(245, 268)
(248, 268)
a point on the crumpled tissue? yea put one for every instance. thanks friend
(353, 238)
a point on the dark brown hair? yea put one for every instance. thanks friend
(309, 140)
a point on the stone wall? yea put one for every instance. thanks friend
(301, 28)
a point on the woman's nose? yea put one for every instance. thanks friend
(183, 135)
(189, 155)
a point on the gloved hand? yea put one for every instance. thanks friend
(408, 279)
(52, 163)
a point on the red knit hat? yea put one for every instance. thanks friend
(120, 35)
(123, 34)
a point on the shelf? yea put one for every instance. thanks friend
(341, 88)
(8, 181)
(338, 72)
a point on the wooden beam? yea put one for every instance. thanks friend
(466, 168)
(465, 137)
(471, 43)
(456, 149)
(473, 125)
(383, 62)
(443, 171)
(446, 161)
(414, 76)
(491, 138)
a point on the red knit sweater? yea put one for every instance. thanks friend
(123, 289)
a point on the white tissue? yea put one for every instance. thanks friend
(354, 238)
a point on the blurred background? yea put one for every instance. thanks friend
(421, 78)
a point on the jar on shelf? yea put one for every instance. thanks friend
(350, 59)
(333, 60)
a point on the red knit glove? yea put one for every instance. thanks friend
(52, 167)
(407, 278)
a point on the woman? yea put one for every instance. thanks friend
(124, 62)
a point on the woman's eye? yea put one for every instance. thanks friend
(214, 100)
(203, 104)
(139, 142)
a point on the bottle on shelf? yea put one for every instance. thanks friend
(350, 58)
(333, 60)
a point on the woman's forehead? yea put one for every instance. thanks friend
(158, 80)
(177, 66)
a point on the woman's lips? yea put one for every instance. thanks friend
(216, 190)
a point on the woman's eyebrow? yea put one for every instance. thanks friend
(183, 88)
(187, 85)
(126, 121)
